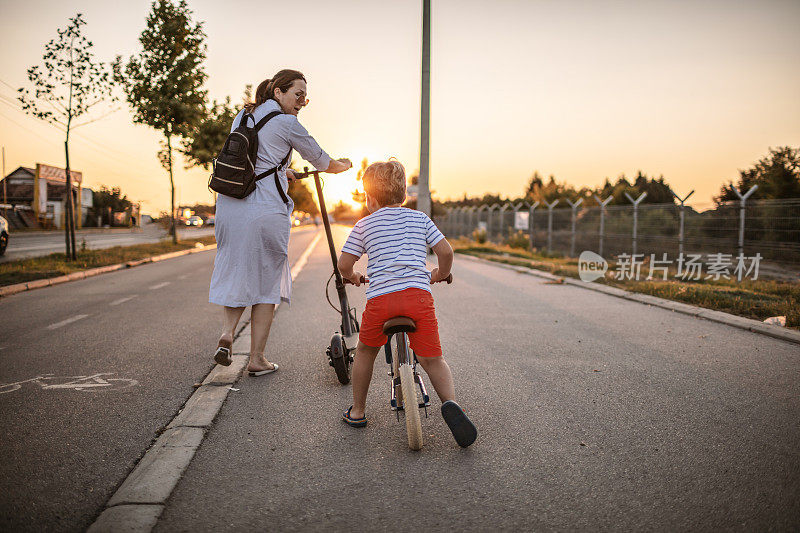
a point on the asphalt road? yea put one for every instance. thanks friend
(66, 450)
(22, 245)
(594, 413)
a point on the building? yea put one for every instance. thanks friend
(37, 196)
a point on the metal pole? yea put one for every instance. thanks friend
(5, 195)
(502, 221)
(550, 225)
(681, 218)
(530, 222)
(603, 204)
(423, 183)
(743, 198)
(635, 215)
(574, 210)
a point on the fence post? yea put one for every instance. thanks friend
(472, 220)
(603, 204)
(635, 215)
(550, 224)
(502, 219)
(681, 217)
(530, 221)
(574, 210)
(743, 198)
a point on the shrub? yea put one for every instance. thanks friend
(479, 236)
(518, 239)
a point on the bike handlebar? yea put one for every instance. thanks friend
(448, 279)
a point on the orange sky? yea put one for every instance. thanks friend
(583, 90)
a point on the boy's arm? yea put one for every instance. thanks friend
(444, 256)
(346, 263)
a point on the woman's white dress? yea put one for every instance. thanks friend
(252, 262)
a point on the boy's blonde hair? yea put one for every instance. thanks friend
(386, 182)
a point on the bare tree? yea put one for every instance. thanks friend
(69, 86)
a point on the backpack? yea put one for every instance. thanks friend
(234, 171)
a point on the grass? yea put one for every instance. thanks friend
(757, 299)
(49, 266)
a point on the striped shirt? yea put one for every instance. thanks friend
(395, 240)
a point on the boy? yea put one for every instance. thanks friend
(395, 240)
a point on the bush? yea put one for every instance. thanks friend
(479, 236)
(518, 239)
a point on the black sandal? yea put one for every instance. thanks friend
(464, 431)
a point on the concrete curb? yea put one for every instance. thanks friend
(728, 319)
(140, 500)
(8, 290)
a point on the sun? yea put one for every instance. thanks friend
(338, 188)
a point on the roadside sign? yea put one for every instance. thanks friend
(521, 220)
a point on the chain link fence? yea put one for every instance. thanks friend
(767, 227)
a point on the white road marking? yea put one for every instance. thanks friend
(159, 285)
(70, 320)
(298, 266)
(123, 300)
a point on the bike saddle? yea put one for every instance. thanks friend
(398, 324)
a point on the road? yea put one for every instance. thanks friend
(22, 245)
(594, 413)
(65, 450)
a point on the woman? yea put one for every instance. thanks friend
(252, 264)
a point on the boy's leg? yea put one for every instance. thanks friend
(361, 375)
(441, 378)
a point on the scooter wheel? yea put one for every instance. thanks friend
(340, 358)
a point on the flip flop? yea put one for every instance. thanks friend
(355, 422)
(464, 431)
(223, 353)
(263, 372)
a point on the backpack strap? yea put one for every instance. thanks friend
(274, 170)
(266, 119)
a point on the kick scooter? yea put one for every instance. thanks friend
(339, 355)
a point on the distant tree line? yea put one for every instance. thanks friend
(777, 176)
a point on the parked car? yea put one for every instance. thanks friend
(210, 219)
(194, 220)
(3, 235)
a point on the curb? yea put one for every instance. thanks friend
(747, 324)
(8, 290)
(140, 500)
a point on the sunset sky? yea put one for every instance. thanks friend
(584, 90)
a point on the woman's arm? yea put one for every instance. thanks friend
(339, 165)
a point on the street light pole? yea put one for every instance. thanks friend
(424, 191)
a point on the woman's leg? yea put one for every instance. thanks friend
(260, 323)
(232, 316)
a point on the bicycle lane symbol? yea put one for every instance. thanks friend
(93, 383)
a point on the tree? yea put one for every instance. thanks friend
(777, 176)
(68, 87)
(106, 201)
(208, 136)
(164, 81)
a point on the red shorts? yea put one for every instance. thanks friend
(416, 304)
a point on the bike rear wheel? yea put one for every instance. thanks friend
(409, 389)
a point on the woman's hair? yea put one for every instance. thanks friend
(266, 89)
(386, 182)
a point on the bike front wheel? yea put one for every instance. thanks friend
(340, 359)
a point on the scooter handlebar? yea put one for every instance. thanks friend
(348, 282)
